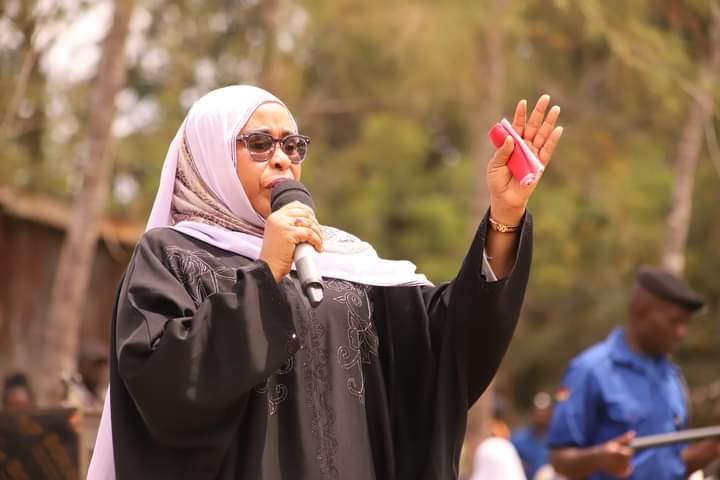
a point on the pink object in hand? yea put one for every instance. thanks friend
(523, 163)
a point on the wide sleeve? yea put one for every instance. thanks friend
(475, 317)
(440, 347)
(188, 368)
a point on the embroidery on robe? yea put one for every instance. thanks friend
(276, 392)
(318, 388)
(198, 271)
(363, 340)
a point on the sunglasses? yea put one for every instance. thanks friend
(261, 146)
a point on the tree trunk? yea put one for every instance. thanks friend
(492, 76)
(270, 68)
(72, 276)
(678, 221)
(29, 82)
(688, 152)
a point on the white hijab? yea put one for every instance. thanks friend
(210, 129)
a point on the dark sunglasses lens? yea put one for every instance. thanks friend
(295, 147)
(259, 143)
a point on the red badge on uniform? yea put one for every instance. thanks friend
(562, 394)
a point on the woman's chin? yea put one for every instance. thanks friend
(264, 209)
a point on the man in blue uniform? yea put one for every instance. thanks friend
(626, 386)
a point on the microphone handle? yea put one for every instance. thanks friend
(308, 273)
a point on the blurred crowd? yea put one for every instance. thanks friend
(84, 388)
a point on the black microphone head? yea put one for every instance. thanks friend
(289, 191)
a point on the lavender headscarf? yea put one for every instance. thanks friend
(209, 135)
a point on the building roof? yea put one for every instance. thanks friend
(47, 210)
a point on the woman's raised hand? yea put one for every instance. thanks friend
(285, 228)
(508, 198)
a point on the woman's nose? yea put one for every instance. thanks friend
(279, 160)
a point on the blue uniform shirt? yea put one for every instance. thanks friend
(608, 390)
(532, 448)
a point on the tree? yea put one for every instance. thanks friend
(491, 76)
(78, 250)
(23, 120)
(270, 69)
(688, 150)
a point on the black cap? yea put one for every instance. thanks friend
(669, 288)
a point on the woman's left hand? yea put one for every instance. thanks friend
(508, 198)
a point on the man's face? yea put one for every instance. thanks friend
(661, 326)
(16, 398)
(94, 372)
(541, 417)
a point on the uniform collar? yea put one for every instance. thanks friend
(621, 353)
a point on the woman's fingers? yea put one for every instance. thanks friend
(518, 122)
(502, 154)
(304, 224)
(536, 118)
(285, 228)
(546, 152)
(303, 234)
(547, 127)
(300, 223)
(297, 209)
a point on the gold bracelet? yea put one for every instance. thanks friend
(501, 227)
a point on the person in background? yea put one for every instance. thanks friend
(17, 393)
(626, 386)
(87, 387)
(495, 457)
(531, 440)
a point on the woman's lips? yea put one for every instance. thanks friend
(275, 181)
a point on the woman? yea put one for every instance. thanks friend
(222, 370)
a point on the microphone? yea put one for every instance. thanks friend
(304, 256)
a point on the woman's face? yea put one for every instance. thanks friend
(258, 178)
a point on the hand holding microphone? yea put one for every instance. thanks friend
(292, 233)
